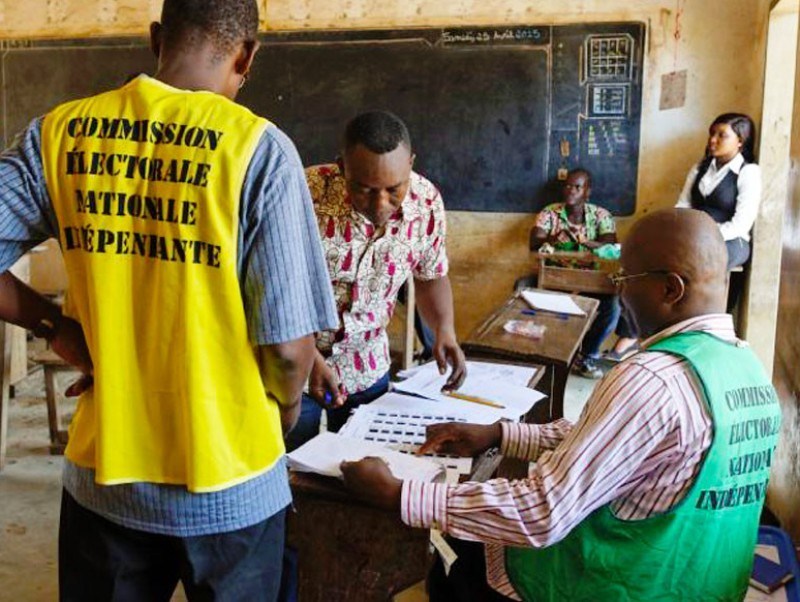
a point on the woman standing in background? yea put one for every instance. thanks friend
(726, 184)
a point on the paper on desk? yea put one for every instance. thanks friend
(516, 399)
(490, 371)
(324, 453)
(553, 302)
(419, 406)
(403, 430)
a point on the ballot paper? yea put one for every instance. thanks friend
(324, 453)
(494, 385)
(487, 371)
(403, 430)
(552, 302)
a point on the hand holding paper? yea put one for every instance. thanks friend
(371, 480)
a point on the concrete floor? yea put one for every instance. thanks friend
(30, 490)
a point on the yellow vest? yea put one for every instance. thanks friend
(146, 183)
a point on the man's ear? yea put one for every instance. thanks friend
(156, 35)
(674, 288)
(244, 59)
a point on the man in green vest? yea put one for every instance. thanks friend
(656, 491)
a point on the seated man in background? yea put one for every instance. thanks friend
(577, 225)
(380, 224)
(639, 500)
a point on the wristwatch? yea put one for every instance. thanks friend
(45, 329)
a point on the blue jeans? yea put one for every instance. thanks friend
(604, 323)
(99, 560)
(307, 426)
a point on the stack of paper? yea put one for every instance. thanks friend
(324, 453)
(552, 302)
(496, 383)
(401, 426)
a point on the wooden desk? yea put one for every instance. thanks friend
(349, 551)
(555, 272)
(556, 350)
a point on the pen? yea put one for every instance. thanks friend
(533, 312)
(474, 399)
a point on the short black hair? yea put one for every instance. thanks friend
(379, 131)
(226, 22)
(744, 128)
(581, 171)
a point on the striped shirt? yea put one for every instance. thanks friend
(638, 446)
(286, 294)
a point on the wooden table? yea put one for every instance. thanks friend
(574, 280)
(556, 350)
(349, 551)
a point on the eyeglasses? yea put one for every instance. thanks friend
(618, 277)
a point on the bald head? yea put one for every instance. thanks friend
(684, 255)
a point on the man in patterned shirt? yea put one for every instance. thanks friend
(656, 491)
(577, 225)
(380, 223)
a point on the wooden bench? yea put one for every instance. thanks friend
(53, 364)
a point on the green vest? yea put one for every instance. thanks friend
(702, 549)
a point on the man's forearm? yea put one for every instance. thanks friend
(434, 300)
(23, 306)
(285, 368)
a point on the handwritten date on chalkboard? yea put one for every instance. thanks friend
(505, 35)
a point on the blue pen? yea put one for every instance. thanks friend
(533, 312)
(327, 398)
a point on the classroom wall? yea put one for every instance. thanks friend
(785, 483)
(719, 42)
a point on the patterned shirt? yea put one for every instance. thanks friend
(650, 408)
(368, 266)
(286, 295)
(553, 220)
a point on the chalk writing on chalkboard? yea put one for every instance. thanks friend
(609, 57)
(507, 35)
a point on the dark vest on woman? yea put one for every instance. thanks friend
(721, 203)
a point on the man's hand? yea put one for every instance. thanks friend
(447, 351)
(371, 480)
(323, 386)
(459, 439)
(69, 343)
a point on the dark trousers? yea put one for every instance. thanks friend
(467, 579)
(100, 561)
(307, 426)
(603, 325)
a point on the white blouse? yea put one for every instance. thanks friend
(747, 200)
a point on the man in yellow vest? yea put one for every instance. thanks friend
(655, 493)
(196, 282)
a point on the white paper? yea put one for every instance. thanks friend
(515, 399)
(445, 551)
(403, 431)
(489, 371)
(324, 453)
(423, 407)
(552, 302)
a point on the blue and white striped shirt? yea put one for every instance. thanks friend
(286, 293)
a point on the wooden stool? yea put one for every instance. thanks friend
(53, 364)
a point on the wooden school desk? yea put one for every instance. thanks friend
(556, 350)
(348, 551)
